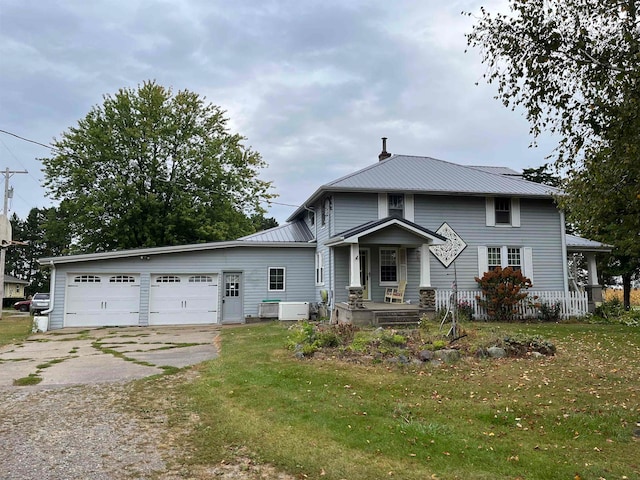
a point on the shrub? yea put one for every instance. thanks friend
(610, 309)
(520, 345)
(465, 310)
(503, 290)
(550, 312)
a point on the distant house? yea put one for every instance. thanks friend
(14, 287)
(425, 223)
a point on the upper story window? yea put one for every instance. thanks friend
(503, 212)
(324, 214)
(312, 217)
(396, 205)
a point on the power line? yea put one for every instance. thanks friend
(51, 147)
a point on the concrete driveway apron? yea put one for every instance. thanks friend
(111, 354)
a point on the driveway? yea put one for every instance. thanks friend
(73, 356)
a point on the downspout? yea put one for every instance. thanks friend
(52, 287)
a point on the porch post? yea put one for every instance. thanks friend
(426, 291)
(594, 290)
(354, 266)
(425, 266)
(355, 287)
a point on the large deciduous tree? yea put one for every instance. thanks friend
(573, 66)
(152, 168)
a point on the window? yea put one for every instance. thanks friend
(503, 211)
(493, 257)
(388, 266)
(396, 205)
(326, 206)
(319, 269)
(276, 279)
(312, 217)
(122, 279)
(168, 279)
(86, 279)
(232, 285)
(200, 279)
(504, 257)
(514, 259)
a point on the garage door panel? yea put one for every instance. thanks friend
(102, 300)
(183, 299)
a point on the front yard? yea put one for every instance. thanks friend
(572, 415)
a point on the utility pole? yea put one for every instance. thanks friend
(8, 192)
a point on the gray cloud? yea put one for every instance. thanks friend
(312, 85)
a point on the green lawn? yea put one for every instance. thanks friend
(553, 418)
(14, 328)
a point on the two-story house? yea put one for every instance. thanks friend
(417, 222)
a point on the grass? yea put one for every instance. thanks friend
(478, 419)
(14, 328)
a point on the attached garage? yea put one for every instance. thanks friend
(95, 300)
(208, 283)
(183, 299)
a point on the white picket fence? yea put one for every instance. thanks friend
(573, 304)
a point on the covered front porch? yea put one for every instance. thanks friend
(376, 254)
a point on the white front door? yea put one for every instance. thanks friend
(182, 299)
(96, 300)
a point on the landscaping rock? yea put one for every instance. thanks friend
(496, 352)
(447, 355)
(537, 355)
(425, 355)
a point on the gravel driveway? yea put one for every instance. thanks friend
(111, 430)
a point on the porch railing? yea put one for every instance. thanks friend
(572, 304)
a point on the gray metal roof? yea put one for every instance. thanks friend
(12, 279)
(289, 232)
(375, 225)
(144, 252)
(499, 170)
(411, 174)
(579, 244)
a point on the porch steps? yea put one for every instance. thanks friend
(396, 317)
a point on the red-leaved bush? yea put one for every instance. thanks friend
(503, 290)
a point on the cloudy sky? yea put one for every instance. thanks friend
(312, 85)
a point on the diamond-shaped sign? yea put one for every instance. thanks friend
(450, 250)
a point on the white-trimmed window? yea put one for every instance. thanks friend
(494, 258)
(312, 217)
(122, 279)
(396, 205)
(502, 212)
(319, 268)
(388, 266)
(518, 258)
(276, 279)
(514, 258)
(168, 279)
(200, 279)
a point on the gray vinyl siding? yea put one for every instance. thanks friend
(540, 230)
(353, 209)
(253, 263)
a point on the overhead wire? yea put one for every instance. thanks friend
(56, 149)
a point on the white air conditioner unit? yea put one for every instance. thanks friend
(293, 311)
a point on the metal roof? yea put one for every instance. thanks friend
(579, 244)
(353, 234)
(289, 232)
(412, 174)
(499, 170)
(142, 253)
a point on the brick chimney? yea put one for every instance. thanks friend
(384, 154)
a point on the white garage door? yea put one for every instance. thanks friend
(183, 299)
(95, 300)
